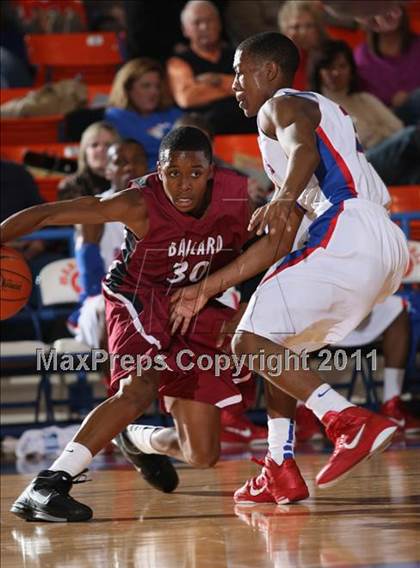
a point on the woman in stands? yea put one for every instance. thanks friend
(140, 105)
(391, 148)
(388, 64)
(90, 176)
(302, 21)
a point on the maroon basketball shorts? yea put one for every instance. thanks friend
(190, 366)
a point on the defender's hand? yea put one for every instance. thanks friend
(274, 215)
(185, 304)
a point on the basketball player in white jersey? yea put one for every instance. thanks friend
(353, 258)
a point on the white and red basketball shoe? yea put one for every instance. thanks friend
(357, 434)
(395, 410)
(279, 484)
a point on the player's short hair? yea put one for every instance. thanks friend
(196, 120)
(186, 139)
(273, 46)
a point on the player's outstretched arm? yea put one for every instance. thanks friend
(126, 206)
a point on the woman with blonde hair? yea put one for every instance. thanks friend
(90, 176)
(303, 23)
(140, 106)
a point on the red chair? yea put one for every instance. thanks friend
(61, 149)
(351, 37)
(240, 150)
(406, 199)
(95, 56)
(29, 130)
(48, 186)
(48, 183)
(19, 92)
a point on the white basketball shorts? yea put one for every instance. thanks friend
(355, 257)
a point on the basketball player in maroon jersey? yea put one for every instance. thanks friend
(183, 222)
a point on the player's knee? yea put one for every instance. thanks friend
(137, 392)
(203, 458)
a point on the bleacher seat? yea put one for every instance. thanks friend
(95, 56)
(59, 292)
(405, 208)
(30, 130)
(47, 182)
(351, 36)
(19, 358)
(238, 150)
(19, 92)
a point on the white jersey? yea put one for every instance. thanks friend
(343, 172)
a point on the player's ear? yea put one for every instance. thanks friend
(271, 70)
(211, 171)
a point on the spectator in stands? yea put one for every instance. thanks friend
(147, 19)
(106, 15)
(140, 105)
(375, 15)
(90, 177)
(388, 64)
(15, 69)
(246, 18)
(98, 245)
(392, 148)
(302, 21)
(201, 76)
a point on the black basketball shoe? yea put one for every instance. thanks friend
(156, 469)
(47, 499)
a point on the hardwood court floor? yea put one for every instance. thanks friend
(371, 519)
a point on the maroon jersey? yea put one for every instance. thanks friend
(179, 249)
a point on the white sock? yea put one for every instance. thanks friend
(393, 381)
(324, 399)
(141, 437)
(74, 459)
(281, 438)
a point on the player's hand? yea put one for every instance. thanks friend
(274, 215)
(185, 304)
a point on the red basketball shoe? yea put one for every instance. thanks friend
(308, 426)
(238, 429)
(357, 434)
(395, 410)
(275, 484)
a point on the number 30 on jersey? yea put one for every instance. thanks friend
(182, 272)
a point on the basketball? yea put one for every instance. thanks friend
(15, 282)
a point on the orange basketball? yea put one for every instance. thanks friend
(15, 282)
